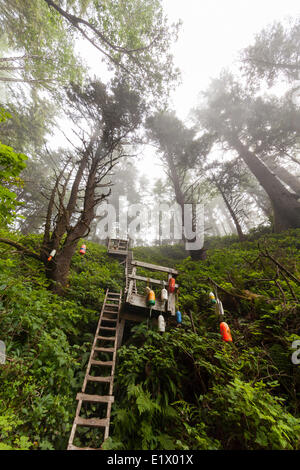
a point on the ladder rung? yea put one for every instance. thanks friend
(92, 422)
(101, 363)
(91, 378)
(114, 293)
(111, 328)
(107, 338)
(109, 319)
(95, 398)
(72, 447)
(104, 349)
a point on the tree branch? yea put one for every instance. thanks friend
(21, 248)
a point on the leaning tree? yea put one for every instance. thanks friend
(111, 116)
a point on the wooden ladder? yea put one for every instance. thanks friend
(128, 271)
(107, 330)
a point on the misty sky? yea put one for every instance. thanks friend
(212, 34)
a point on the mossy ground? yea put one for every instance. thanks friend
(180, 390)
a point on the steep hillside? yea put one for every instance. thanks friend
(48, 340)
(189, 390)
(179, 390)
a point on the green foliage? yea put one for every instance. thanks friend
(196, 390)
(40, 32)
(91, 271)
(164, 255)
(274, 54)
(11, 165)
(251, 418)
(9, 424)
(181, 390)
(48, 340)
(135, 37)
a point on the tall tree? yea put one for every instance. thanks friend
(113, 114)
(274, 54)
(180, 150)
(231, 116)
(123, 181)
(292, 180)
(228, 182)
(133, 36)
(31, 120)
(41, 49)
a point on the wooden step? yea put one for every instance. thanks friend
(114, 293)
(108, 319)
(111, 328)
(107, 338)
(94, 362)
(91, 378)
(92, 422)
(95, 398)
(71, 447)
(110, 350)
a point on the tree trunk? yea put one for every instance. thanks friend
(284, 175)
(180, 199)
(58, 269)
(286, 208)
(262, 202)
(231, 212)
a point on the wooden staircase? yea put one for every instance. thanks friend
(129, 270)
(106, 333)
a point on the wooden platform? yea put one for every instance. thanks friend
(118, 247)
(135, 302)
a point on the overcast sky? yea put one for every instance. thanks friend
(212, 34)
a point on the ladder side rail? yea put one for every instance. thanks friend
(94, 343)
(79, 404)
(111, 385)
